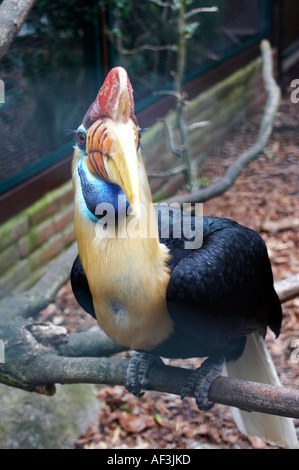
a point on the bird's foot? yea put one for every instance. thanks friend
(138, 371)
(200, 380)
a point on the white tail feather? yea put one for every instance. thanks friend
(256, 365)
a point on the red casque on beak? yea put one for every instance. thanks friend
(112, 136)
(114, 100)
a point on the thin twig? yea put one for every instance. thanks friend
(201, 10)
(173, 147)
(287, 289)
(179, 96)
(164, 174)
(196, 125)
(147, 47)
(249, 155)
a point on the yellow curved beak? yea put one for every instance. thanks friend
(112, 156)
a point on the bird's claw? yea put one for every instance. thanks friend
(138, 371)
(200, 380)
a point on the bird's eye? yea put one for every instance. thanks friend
(81, 139)
(139, 136)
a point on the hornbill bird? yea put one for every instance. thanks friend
(147, 289)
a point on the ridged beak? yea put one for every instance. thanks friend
(111, 149)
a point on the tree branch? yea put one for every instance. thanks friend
(31, 302)
(164, 174)
(146, 47)
(196, 125)
(178, 96)
(38, 355)
(12, 16)
(249, 155)
(174, 149)
(94, 343)
(287, 289)
(49, 369)
(201, 10)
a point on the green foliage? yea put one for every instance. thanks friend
(191, 28)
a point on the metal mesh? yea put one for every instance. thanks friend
(143, 39)
(50, 75)
(49, 82)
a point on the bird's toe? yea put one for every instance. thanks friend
(200, 380)
(138, 372)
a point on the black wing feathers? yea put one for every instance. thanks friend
(216, 295)
(222, 291)
(80, 287)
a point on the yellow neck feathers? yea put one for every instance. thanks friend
(127, 275)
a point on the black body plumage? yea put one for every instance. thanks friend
(216, 295)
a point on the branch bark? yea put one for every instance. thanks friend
(48, 368)
(39, 355)
(31, 302)
(164, 174)
(146, 47)
(249, 155)
(12, 16)
(201, 10)
(287, 289)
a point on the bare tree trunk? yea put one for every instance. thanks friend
(12, 16)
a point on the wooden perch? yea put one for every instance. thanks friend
(47, 368)
(38, 355)
(249, 155)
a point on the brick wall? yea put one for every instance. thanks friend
(33, 239)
